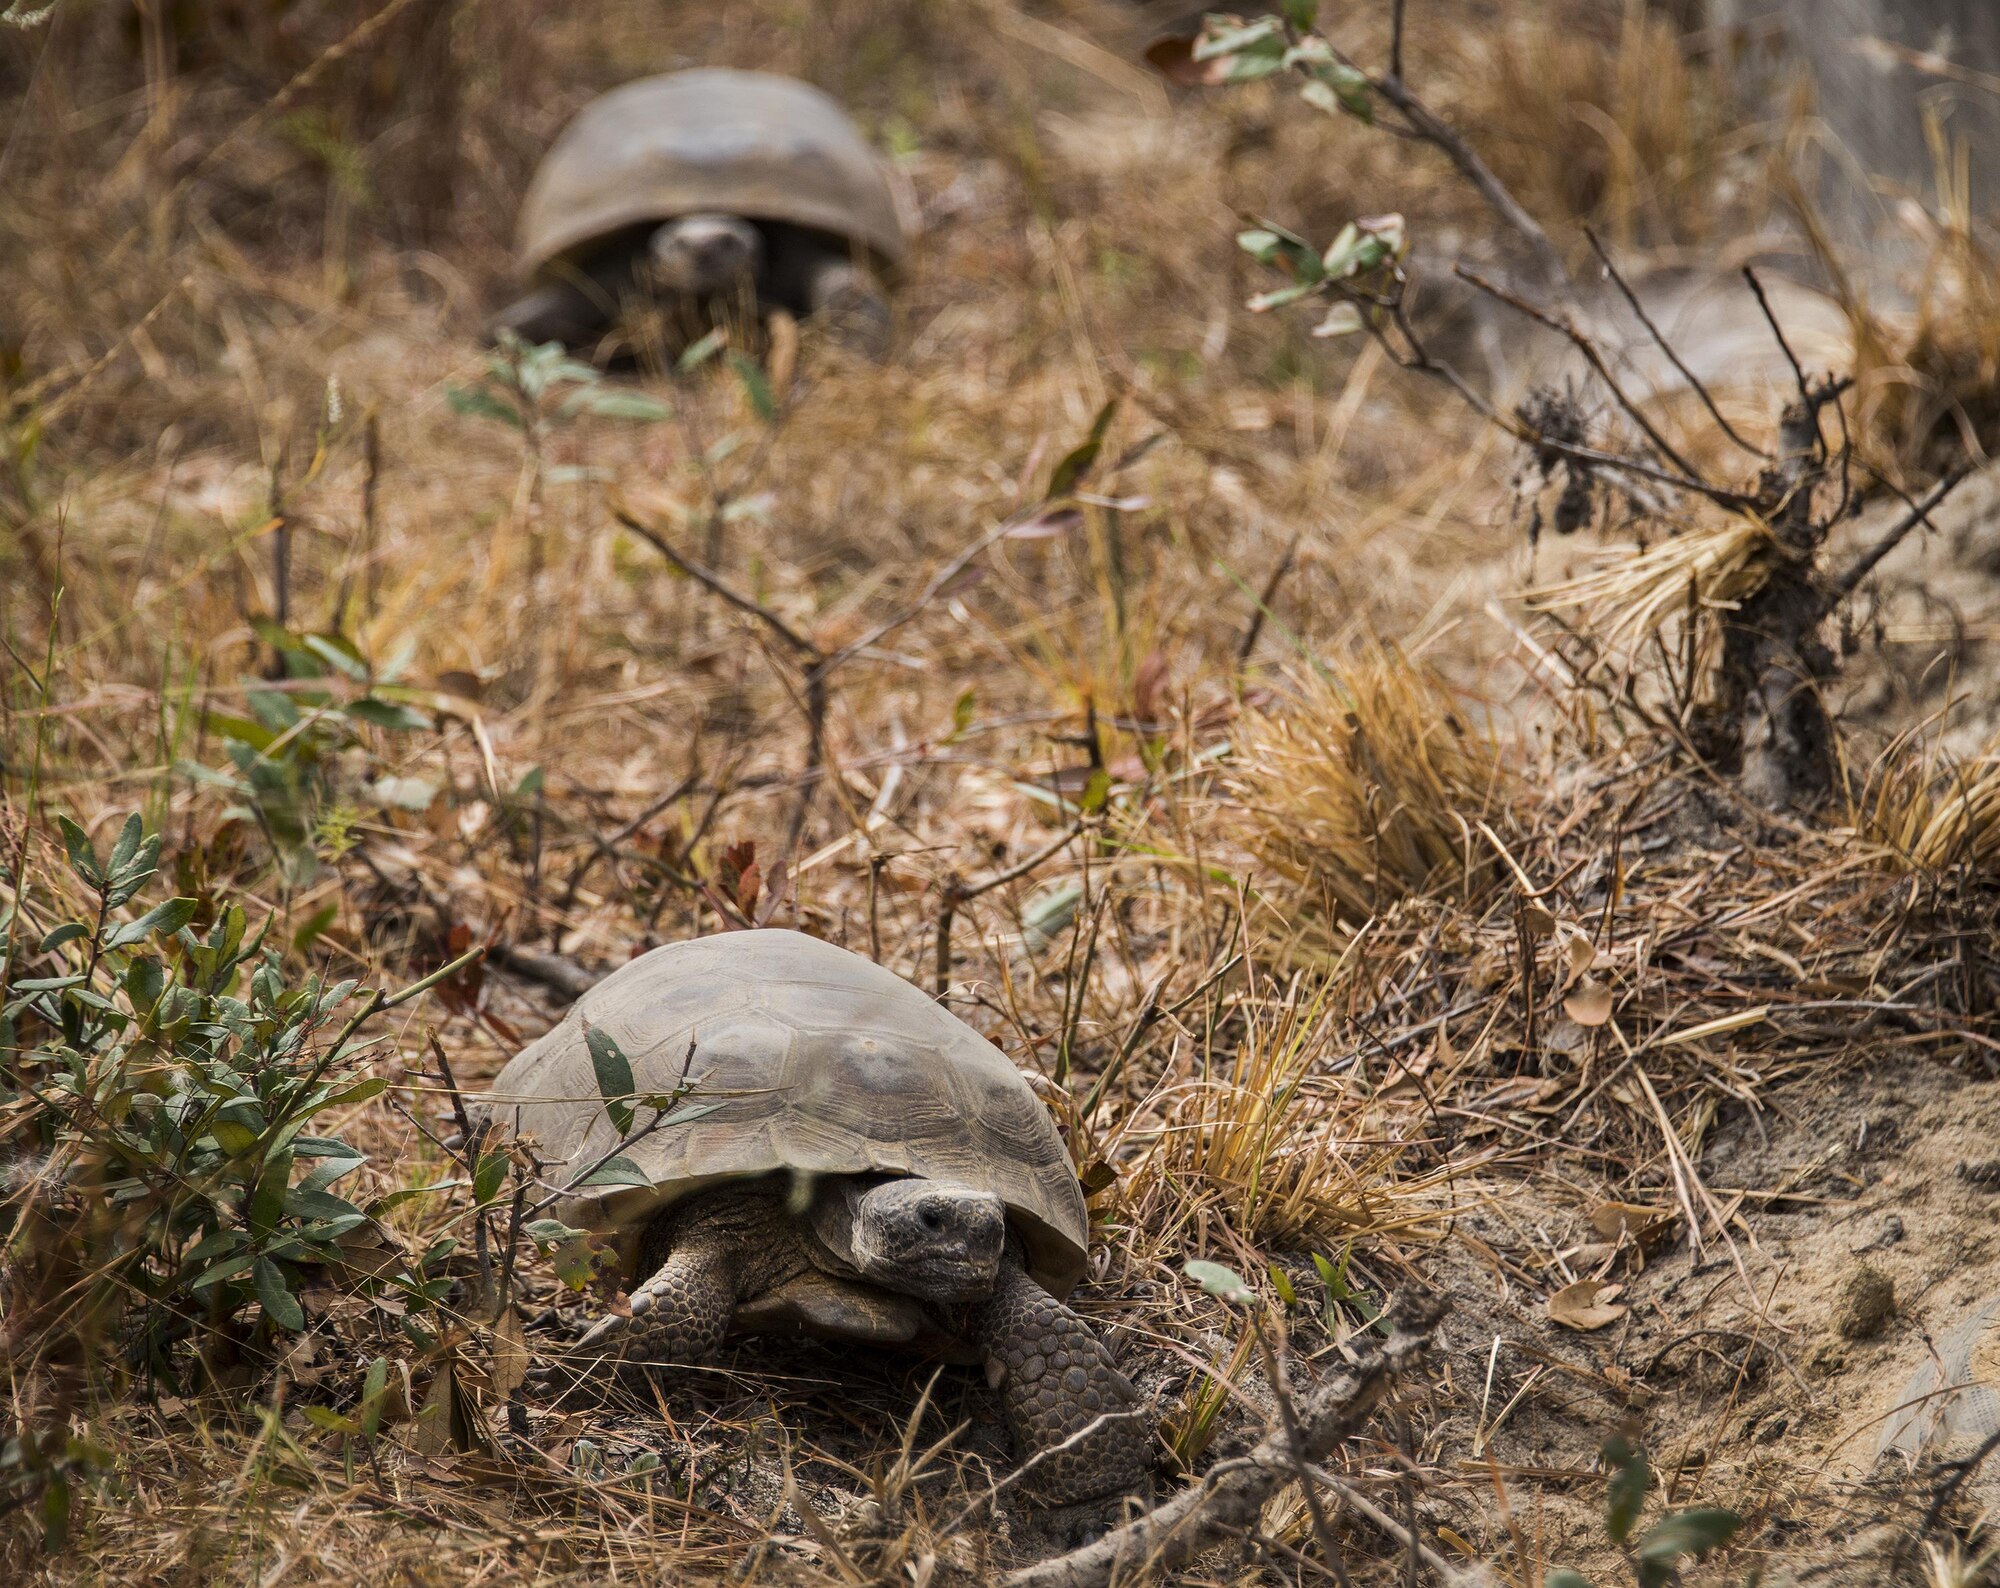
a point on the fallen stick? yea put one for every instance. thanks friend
(1228, 1499)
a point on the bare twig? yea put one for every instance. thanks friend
(958, 893)
(1844, 586)
(1270, 592)
(1436, 131)
(1666, 347)
(1778, 331)
(1584, 345)
(717, 586)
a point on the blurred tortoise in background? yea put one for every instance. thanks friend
(699, 192)
(870, 1168)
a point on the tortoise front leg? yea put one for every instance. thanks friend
(1067, 1403)
(680, 1312)
(557, 311)
(850, 302)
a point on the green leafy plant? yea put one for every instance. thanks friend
(535, 387)
(171, 1079)
(1656, 1556)
(285, 750)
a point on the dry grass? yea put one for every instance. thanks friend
(1362, 786)
(1932, 812)
(251, 319)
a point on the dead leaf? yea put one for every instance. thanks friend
(1582, 952)
(1617, 1220)
(1537, 921)
(1590, 1004)
(1586, 1305)
(510, 1355)
(1173, 58)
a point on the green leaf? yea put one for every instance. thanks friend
(1693, 1532)
(1278, 297)
(1218, 1281)
(310, 930)
(961, 713)
(82, 858)
(1563, 1577)
(1301, 14)
(489, 1177)
(280, 1305)
(1625, 1494)
(145, 980)
(700, 352)
(687, 1113)
(55, 1512)
(606, 404)
(329, 1419)
(371, 1396)
(756, 387)
(1070, 472)
(1282, 1284)
(480, 404)
(387, 714)
(1340, 90)
(339, 653)
(618, 1171)
(126, 850)
(1096, 791)
(1218, 38)
(614, 1076)
(169, 917)
(69, 932)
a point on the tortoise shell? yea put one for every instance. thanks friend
(821, 1062)
(752, 144)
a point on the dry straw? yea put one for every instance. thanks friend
(1928, 811)
(1625, 600)
(1363, 787)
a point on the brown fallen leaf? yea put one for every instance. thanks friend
(1586, 1305)
(1613, 1220)
(1582, 952)
(1590, 1004)
(1538, 921)
(510, 1355)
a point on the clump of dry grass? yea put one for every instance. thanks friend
(1362, 785)
(1626, 134)
(1929, 811)
(1926, 381)
(1626, 601)
(1268, 1135)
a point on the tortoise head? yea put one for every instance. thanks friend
(705, 256)
(928, 1239)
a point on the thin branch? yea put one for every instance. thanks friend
(943, 577)
(1396, 41)
(1666, 347)
(1434, 130)
(714, 583)
(1844, 586)
(1583, 344)
(1777, 330)
(1250, 635)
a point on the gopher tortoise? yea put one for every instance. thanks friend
(870, 1168)
(695, 191)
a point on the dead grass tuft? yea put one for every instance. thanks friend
(1361, 784)
(1270, 1135)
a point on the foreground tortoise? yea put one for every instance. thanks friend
(697, 190)
(873, 1169)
